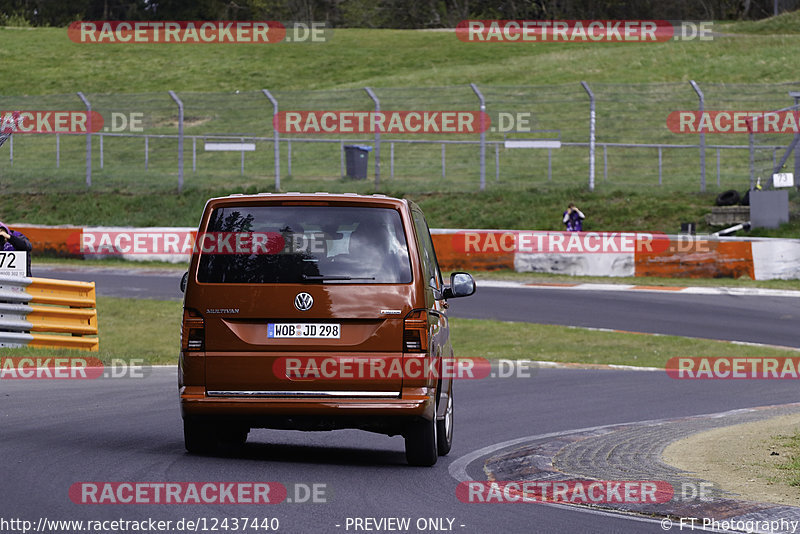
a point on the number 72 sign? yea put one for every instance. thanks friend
(12, 263)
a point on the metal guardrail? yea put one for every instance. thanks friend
(64, 309)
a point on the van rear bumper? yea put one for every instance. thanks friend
(379, 414)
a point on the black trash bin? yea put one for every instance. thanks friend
(356, 159)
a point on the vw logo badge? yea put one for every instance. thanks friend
(303, 301)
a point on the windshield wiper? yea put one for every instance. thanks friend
(335, 277)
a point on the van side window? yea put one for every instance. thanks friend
(429, 264)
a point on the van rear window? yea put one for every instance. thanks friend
(303, 244)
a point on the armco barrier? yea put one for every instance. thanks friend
(62, 308)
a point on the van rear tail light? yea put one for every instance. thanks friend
(415, 331)
(193, 330)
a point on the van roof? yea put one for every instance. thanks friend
(277, 198)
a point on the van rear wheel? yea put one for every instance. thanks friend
(421, 445)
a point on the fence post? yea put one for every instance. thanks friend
(275, 139)
(374, 98)
(483, 134)
(797, 135)
(88, 140)
(443, 174)
(752, 143)
(702, 98)
(241, 173)
(497, 162)
(180, 139)
(659, 166)
(592, 121)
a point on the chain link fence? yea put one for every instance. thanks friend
(138, 146)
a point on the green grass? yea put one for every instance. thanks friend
(150, 330)
(497, 339)
(47, 62)
(409, 70)
(403, 66)
(792, 465)
(535, 208)
(786, 23)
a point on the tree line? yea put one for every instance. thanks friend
(381, 13)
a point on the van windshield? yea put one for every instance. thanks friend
(303, 244)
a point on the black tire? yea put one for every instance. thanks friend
(197, 437)
(745, 199)
(444, 428)
(421, 446)
(728, 198)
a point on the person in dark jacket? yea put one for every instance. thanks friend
(13, 240)
(573, 218)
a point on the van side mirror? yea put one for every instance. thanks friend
(184, 281)
(461, 285)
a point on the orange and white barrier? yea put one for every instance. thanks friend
(618, 254)
(582, 254)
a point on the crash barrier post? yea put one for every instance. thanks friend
(63, 309)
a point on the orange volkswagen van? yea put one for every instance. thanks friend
(316, 312)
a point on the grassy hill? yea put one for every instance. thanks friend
(43, 65)
(38, 61)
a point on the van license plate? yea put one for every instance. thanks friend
(303, 330)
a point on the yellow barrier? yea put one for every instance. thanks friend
(62, 308)
(63, 320)
(62, 292)
(65, 342)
